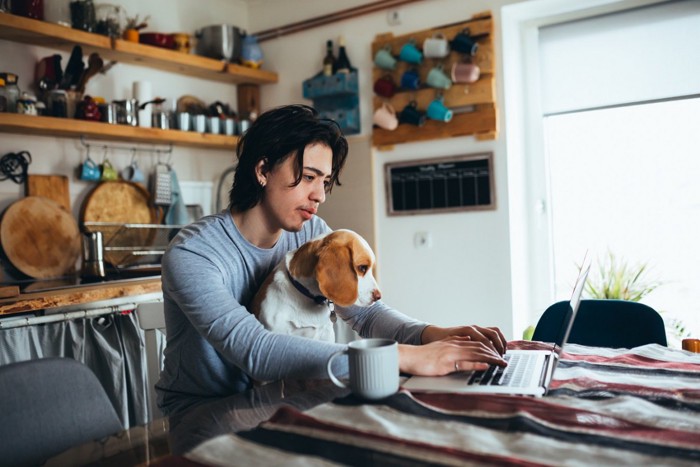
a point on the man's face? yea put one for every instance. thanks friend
(288, 207)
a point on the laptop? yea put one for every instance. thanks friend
(529, 372)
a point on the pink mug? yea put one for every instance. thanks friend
(465, 72)
(385, 117)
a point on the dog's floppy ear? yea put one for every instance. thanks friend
(303, 263)
(336, 276)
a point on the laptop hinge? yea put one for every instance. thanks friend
(548, 371)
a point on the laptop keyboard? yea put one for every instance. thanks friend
(516, 374)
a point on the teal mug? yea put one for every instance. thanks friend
(410, 53)
(438, 79)
(438, 111)
(383, 59)
(89, 171)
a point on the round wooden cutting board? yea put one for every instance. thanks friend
(40, 238)
(118, 202)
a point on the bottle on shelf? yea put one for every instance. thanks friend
(342, 64)
(329, 60)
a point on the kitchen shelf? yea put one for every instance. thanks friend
(34, 32)
(65, 127)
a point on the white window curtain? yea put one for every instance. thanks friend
(597, 62)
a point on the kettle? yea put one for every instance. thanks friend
(93, 259)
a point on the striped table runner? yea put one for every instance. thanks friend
(605, 407)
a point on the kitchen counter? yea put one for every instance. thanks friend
(72, 295)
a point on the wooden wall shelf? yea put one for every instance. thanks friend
(33, 32)
(65, 127)
(474, 104)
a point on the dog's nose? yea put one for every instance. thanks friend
(376, 295)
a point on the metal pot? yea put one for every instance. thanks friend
(221, 41)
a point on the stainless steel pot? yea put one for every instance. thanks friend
(222, 41)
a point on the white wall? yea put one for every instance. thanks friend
(465, 276)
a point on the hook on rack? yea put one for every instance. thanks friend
(133, 149)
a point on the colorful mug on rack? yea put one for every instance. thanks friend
(89, 171)
(109, 174)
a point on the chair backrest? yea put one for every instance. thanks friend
(605, 323)
(48, 406)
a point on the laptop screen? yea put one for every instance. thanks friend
(570, 315)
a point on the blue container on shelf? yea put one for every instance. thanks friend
(336, 97)
(322, 86)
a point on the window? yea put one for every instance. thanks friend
(626, 180)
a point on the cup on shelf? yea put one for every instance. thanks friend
(438, 79)
(411, 115)
(214, 124)
(438, 111)
(384, 59)
(183, 121)
(464, 43)
(229, 126)
(465, 72)
(410, 79)
(436, 46)
(410, 53)
(385, 86)
(199, 123)
(385, 117)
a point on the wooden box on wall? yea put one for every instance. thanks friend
(474, 104)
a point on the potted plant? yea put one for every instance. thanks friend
(616, 279)
(133, 26)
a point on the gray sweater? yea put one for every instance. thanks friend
(215, 347)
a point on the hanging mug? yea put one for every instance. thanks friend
(385, 117)
(133, 173)
(109, 174)
(89, 171)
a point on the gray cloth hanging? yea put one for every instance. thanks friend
(112, 346)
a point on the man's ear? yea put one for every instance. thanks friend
(261, 171)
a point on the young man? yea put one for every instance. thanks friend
(288, 160)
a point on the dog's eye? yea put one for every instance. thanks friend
(363, 269)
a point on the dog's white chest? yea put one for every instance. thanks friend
(285, 310)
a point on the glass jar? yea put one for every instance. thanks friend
(11, 91)
(3, 96)
(82, 15)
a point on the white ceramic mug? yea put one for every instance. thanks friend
(436, 46)
(374, 368)
(385, 117)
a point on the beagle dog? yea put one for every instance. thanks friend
(299, 295)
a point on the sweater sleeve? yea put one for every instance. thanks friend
(380, 320)
(195, 284)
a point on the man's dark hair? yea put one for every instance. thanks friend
(276, 135)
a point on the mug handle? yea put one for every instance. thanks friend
(335, 380)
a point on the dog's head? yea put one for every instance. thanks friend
(341, 262)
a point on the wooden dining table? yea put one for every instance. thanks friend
(605, 406)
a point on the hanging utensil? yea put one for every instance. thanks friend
(95, 64)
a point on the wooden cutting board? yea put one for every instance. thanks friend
(118, 202)
(40, 238)
(54, 187)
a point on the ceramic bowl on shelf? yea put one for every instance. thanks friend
(157, 39)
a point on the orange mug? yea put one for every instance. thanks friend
(692, 345)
